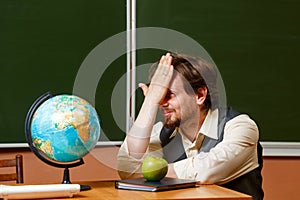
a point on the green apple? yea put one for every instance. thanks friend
(154, 168)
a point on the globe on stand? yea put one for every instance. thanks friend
(61, 129)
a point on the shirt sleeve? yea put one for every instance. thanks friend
(128, 166)
(234, 156)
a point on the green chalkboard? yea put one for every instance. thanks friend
(42, 46)
(256, 47)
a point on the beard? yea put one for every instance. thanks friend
(172, 123)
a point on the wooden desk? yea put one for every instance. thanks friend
(106, 190)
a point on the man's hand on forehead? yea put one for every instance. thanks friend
(164, 72)
(161, 79)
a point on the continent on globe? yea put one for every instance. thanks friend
(76, 116)
(44, 146)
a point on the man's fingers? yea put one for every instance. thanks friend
(166, 59)
(164, 71)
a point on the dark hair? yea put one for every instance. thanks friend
(197, 73)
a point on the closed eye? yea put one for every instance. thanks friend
(169, 94)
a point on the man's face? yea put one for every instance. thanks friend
(178, 106)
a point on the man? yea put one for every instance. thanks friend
(199, 139)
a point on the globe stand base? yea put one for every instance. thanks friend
(66, 180)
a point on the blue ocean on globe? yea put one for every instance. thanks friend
(65, 128)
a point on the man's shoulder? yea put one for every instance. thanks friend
(230, 116)
(229, 113)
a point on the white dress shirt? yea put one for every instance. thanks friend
(234, 156)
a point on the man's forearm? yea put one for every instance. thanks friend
(138, 137)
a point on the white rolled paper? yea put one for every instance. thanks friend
(38, 191)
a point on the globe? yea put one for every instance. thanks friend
(62, 129)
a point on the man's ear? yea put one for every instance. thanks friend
(201, 95)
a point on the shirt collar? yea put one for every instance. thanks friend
(209, 127)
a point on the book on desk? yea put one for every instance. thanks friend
(154, 186)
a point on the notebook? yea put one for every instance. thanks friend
(153, 186)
